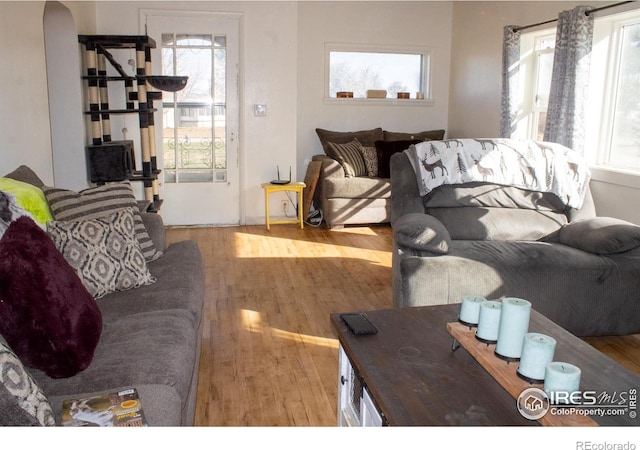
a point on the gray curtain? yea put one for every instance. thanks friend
(570, 79)
(510, 69)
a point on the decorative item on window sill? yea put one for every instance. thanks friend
(403, 95)
(344, 94)
(376, 93)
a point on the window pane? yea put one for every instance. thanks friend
(625, 145)
(193, 40)
(194, 126)
(358, 72)
(543, 85)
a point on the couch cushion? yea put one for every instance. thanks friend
(155, 347)
(366, 137)
(431, 135)
(179, 287)
(384, 151)
(601, 235)
(349, 156)
(48, 317)
(103, 251)
(22, 402)
(421, 232)
(491, 195)
(96, 202)
(486, 223)
(26, 175)
(360, 187)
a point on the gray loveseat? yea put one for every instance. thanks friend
(579, 270)
(150, 339)
(354, 186)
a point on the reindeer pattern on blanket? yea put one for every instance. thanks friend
(532, 165)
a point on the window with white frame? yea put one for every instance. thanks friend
(613, 115)
(377, 72)
(618, 112)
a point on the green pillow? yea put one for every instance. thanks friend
(29, 198)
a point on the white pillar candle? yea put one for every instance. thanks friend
(470, 309)
(537, 352)
(514, 324)
(561, 380)
(489, 321)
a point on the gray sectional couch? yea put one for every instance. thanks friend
(348, 197)
(150, 340)
(490, 240)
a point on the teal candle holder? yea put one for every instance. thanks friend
(514, 324)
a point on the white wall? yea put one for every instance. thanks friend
(283, 68)
(476, 65)
(385, 23)
(24, 110)
(268, 75)
(66, 104)
(25, 132)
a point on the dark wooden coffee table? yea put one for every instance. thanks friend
(414, 377)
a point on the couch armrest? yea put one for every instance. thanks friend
(330, 167)
(405, 195)
(422, 232)
(155, 227)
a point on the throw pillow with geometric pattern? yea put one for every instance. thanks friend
(370, 157)
(98, 201)
(103, 251)
(23, 388)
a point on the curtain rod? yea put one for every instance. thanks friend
(591, 11)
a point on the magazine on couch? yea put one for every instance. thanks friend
(111, 409)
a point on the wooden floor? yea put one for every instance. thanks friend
(269, 354)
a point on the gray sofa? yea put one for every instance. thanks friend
(150, 340)
(579, 270)
(363, 196)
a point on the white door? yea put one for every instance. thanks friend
(199, 158)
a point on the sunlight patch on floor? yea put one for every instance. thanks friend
(259, 246)
(252, 322)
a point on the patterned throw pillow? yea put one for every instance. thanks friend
(349, 156)
(23, 388)
(103, 251)
(96, 202)
(370, 157)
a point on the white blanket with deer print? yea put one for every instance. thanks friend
(532, 165)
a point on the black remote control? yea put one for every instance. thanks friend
(358, 323)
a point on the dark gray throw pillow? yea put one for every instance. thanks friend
(601, 235)
(431, 135)
(422, 232)
(366, 137)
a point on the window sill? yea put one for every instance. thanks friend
(379, 101)
(619, 177)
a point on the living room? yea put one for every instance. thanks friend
(466, 80)
(282, 67)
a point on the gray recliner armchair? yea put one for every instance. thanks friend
(579, 270)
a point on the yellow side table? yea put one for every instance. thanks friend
(298, 187)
